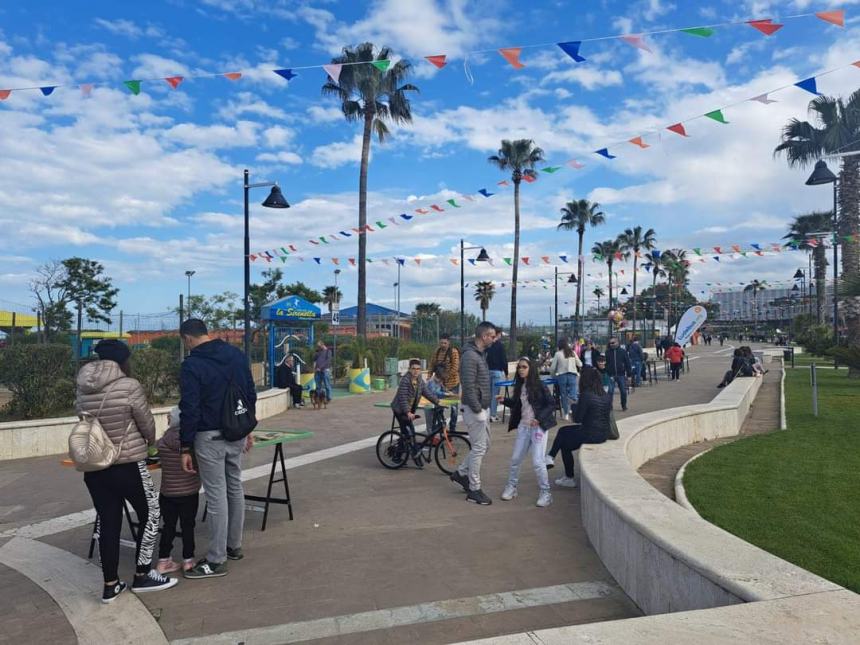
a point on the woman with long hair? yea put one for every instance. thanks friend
(532, 415)
(565, 368)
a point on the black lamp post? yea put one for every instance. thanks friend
(821, 174)
(571, 280)
(274, 200)
(799, 275)
(482, 257)
(188, 275)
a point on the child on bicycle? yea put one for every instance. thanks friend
(436, 385)
(412, 387)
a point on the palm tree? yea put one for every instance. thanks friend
(375, 97)
(598, 293)
(577, 216)
(656, 262)
(484, 292)
(520, 157)
(754, 287)
(427, 309)
(633, 240)
(608, 251)
(799, 233)
(331, 295)
(676, 267)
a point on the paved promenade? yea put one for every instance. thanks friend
(373, 556)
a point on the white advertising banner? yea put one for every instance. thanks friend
(692, 319)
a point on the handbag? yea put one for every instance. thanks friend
(613, 427)
(90, 447)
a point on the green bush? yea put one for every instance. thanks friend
(158, 373)
(849, 356)
(40, 378)
(169, 344)
(817, 339)
(529, 345)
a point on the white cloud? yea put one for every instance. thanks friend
(120, 27)
(278, 136)
(588, 77)
(213, 137)
(280, 157)
(338, 154)
(322, 114)
(249, 103)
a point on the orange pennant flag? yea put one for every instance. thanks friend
(453, 261)
(545, 259)
(836, 17)
(174, 81)
(438, 61)
(637, 141)
(678, 128)
(525, 260)
(418, 261)
(233, 76)
(512, 55)
(4, 94)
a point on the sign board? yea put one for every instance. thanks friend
(335, 318)
(692, 319)
(291, 308)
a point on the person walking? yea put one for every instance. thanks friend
(285, 379)
(532, 415)
(618, 368)
(565, 368)
(213, 370)
(497, 364)
(448, 357)
(636, 355)
(405, 404)
(589, 354)
(675, 356)
(106, 391)
(475, 404)
(322, 370)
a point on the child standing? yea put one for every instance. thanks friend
(178, 500)
(675, 356)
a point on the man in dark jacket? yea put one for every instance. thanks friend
(322, 370)
(634, 352)
(618, 368)
(204, 379)
(285, 379)
(497, 364)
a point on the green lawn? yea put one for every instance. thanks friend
(794, 493)
(805, 360)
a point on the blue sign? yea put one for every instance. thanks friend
(292, 309)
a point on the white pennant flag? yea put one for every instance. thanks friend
(762, 98)
(333, 71)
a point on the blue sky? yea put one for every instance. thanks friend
(150, 185)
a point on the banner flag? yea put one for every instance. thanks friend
(545, 259)
(133, 86)
(504, 182)
(703, 32)
(381, 225)
(454, 203)
(418, 261)
(4, 94)
(637, 141)
(808, 84)
(284, 251)
(757, 247)
(292, 248)
(335, 261)
(716, 115)
(381, 65)
(283, 259)
(551, 169)
(697, 251)
(563, 258)
(573, 163)
(406, 217)
(485, 193)
(507, 261)
(174, 81)
(572, 49)
(768, 27)
(314, 242)
(437, 208)
(252, 257)
(323, 240)
(421, 211)
(393, 221)
(604, 152)
(736, 248)
(636, 41)
(512, 55)
(692, 319)
(453, 261)
(401, 261)
(529, 179)
(468, 198)
(525, 260)
(287, 74)
(437, 61)
(233, 76)
(762, 98)
(836, 17)
(368, 228)
(472, 261)
(352, 261)
(717, 258)
(718, 249)
(333, 71)
(317, 260)
(678, 128)
(345, 234)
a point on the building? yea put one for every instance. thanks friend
(381, 321)
(769, 304)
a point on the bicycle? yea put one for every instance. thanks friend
(449, 449)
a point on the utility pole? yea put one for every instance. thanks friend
(78, 341)
(120, 322)
(181, 344)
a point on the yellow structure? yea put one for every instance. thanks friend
(21, 320)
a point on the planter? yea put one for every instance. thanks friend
(307, 381)
(379, 384)
(359, 380)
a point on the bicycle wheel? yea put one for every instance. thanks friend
(391, 450)
(452, 452)
(426, 446)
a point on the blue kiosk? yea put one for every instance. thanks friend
(290, 322)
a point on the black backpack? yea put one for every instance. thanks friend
(238, 416)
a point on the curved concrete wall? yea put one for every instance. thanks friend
(42, 437)
(665, 557)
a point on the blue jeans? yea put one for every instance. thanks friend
(637, 373)
(495, 377)
(567, 390)
(322, 382)
(622, 387)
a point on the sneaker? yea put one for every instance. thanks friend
(234, 554)
(566, 417)
(167, 565)
(550, 462)
(152, 581)
(509, 493)
(544, 499)
(457, 478)
(188, 563)
(206, 569)
(566, 482)
(479, 497)
(494, 419)
(111, 592)
(419, 461)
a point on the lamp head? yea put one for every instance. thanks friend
(572, 279)
(821, 174)
(482, 256)
(624, 291)
(798, 275)
(276, 199)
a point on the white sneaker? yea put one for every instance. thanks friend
(544, 499)
(549, 461)
(567, 482)
(509, 493)
(494, 419)
(567, 417)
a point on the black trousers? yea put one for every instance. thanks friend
(568, 439)
(675, 368)
(407, 428)
(109, 489)
(183, 509)
(296, 392)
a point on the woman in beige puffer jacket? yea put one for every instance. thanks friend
(105, 390)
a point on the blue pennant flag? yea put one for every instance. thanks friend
(808, 84)
(484, 192)
(406, 217)
(757, 247)
(286, 73)
(344, 233)
(572, 49)
(317, 260)
(603, 152)
(655, 254)
(472, 261)
(400, 261)
(717, 258)
(563, 258)
(48, 90)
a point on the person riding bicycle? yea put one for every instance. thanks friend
(436, 384)
(405, 403)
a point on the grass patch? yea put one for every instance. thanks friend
(795, 493)
(805, 360)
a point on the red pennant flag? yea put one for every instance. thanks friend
(525, 260)
(437, 208)
(421, 211)
(512, 55)
(636, 41)
(357, 230)
(418, 261)
(314, 242)
(252, 257)
(352, 261)
(174, 81)
(453, 261)
(503, 183)
(637, 141)
(678, 128)
(437, 61)
(836, 17)
(4, 94)
(736, 248)
(718, 249)
(759, 253)
(573, 163)
(768, 27)
(233, 76)
(293, 248)
(368, 227)
(856, 63)
(529, 179)
(618, 255)
(335, 260)
(545, 259)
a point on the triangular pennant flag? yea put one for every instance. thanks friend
(174, 81)
(486, 193)
(573, 163)
(808, 84)
(678, 128)
(47, 90)
(314, 242)
(345, 234)
(572, 49)
(604, 152)
(716, 115)
(233, 76)
(421, 211)
(417, 261)
(856, 63)
(468, 197)
(454, 203)
(718, 249)
(507, 261)
(293, 248)
(381, 225)
(757, 247)
(704, 32)
(759, 253)
(284, 251)
(762, 98)
(381, 65)
(836, 17)
(133, 86)
(525, 260)
(4, 94)
(436, 61)
(545, 259)
(529, 179)
(287, 74)
(323, 240)
(86, 89)
(563, 258)
(636, 41)
(400, 261)
(551, 169)
(697, 251)
(637, 141)
(269, 256)
(437, 208)
(335, 261)
(768, 27)
(369, 228)
(393, 221)
(453, 261)
(512, 55)
(252, 257)
(318, 260)
(504, 182)
(736, 248)
(283, 259)
(333, 71)
(352, 261)
(406, 217)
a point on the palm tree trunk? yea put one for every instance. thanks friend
(819, 259)
(512, 338)
(635, 266)
(849, 232)
(654, 301)
(669, 312)
(361, 323)
(483, 314)
(579, 279)
(609, 265)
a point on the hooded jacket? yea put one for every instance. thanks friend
(203, 381)
(474, 379)
(175, 482)
(125, 402)
(618, 362)
(544, 409)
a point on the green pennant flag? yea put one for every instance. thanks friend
(283, 259)
(369, 260)
(453, 203)
(380, 224)
(323, 240)
(285, 251)
(717, 115)
(134, 86)
(703, 32)
(744, 253)
(381, 65)
(697, 251)
(507, 261)
(551, 169)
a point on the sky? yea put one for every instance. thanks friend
(150, 185)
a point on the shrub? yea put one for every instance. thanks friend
(849, 356)
(817, 339)
(169, 344)
(40, 378)
(158, 373)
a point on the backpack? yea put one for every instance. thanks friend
(90, 447)
(238, 416)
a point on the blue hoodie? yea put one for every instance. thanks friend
(203, 382)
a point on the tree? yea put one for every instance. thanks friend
(520, 157)
(655, 265)
(330, 296)
(799, 235)
(676, 266)
(608, 251)
(598, 293)
(301, 290)
(427, 309)
(218, 312)
(425, 321)
(577, 216)
(271, 289)
(633, 240)
(754, 287)
(374, 95)
(484, 292)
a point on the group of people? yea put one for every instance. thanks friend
(285, 376)
(744, 363)
(192, 452)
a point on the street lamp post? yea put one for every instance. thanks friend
(482, 257)
(570, 280)
(274, 200)
(396, 286)
(821, 174)
(188, 275)
(335, 312)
